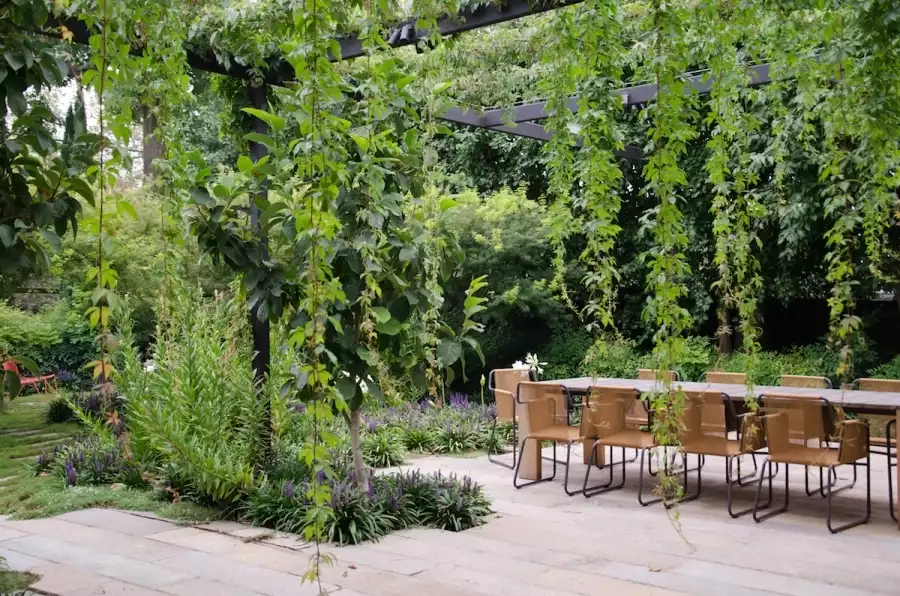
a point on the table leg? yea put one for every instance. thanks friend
(530, 453)
(897, 451)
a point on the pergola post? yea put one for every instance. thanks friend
(261, 336)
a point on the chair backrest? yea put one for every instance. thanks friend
(11, 366)
(796, 419)
(650, 374)
(505, 383)
(804, 381)
(714, 410)
(555, 395)
(877, 385)
(606, 408)
(727, 378)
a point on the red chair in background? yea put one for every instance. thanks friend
(28, 382)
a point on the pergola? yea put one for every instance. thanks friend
(521, 120)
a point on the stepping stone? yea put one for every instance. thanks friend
(118, 521)
(19, 433)
(287, 540)
(252, 534)
(222, 526)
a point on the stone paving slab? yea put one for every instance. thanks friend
(122, 522)
(111, 565)
(539, 542)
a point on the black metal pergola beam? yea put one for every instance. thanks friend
(631, 96)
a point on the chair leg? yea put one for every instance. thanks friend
(830, 492)
(687, 498)
(511, 466)
(890, 467)
(787, 494)
(519, 465)
(730, 483)
(566, 477)
(641, 483)
(741, 480)
(608, 485)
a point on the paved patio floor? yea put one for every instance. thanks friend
(539, 542)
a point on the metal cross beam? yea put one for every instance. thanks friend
(280, 73)
(631, 96)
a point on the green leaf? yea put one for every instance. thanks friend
(448, 203)
(255, 137)
(383, 314)
(244, 164)
(7, 235)
(347, 387)
(13, 384)
(366, 356)
(391, 327)
(29, 364)
(14, 60)
(407, 253)
(276, 123)
(126, 208)
(83, 188)
(52, 239)
(448, 351)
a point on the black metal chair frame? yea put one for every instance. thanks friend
(830, 491)
(892, 464)
(553, 459)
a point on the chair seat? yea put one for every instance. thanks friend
(713, 446)
(634, 439)
(806, 456)
(561, 433)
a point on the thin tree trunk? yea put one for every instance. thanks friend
(359, 466)
(153, 147)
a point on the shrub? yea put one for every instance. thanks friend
(696, 358)
(198, 417)
(418, 437)
(565, 353)
(382, 449)
(457, 436)
(394, 501)
(59, 411)
(612, 357)
(90, 460)
(888, 370)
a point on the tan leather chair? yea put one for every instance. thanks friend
(788, 448)
(547, 407)
(504, 384)
(705, 410)
(886, 446)
(803, 381)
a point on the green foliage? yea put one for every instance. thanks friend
(59, 411)
(565, 353)
(695, 358)
(197, 419)
(888, 370)
(393, 502)
(41, 179)
(612, 357)
(382, 449)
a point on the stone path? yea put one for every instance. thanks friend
(539, 542)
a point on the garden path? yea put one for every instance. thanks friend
(538, 542)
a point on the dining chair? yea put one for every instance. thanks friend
(803, 381)
(785, 447)
(503, 383)
(889, 442)
(547, 408)
(703, 407)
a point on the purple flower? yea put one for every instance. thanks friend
(298, 407)
(320, 477)
(71, 474)
(393, 505)
(288, 489)
(459, 401)
(371, 424)
(371, 490)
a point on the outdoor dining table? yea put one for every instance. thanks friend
(860, 402)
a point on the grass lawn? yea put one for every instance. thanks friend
(24, 433)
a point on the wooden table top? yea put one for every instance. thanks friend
(874, 402)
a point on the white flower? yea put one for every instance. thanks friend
(534, 364)
(149, 366)
(519, 365)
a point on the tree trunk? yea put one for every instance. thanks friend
(726, 333)
(153, 147)
(359, 466)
